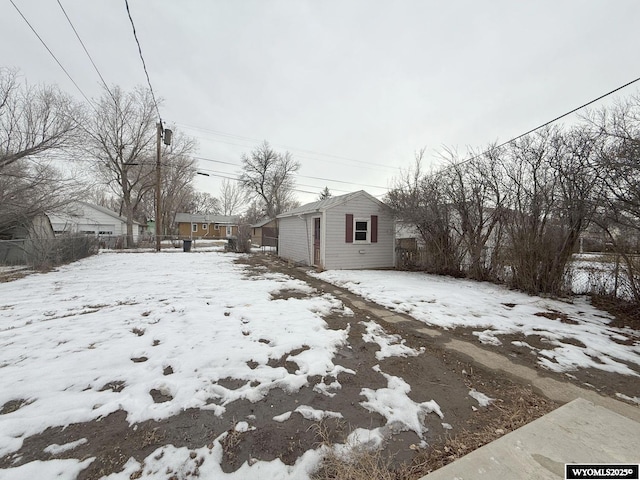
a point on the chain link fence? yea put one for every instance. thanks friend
(42, 253)
(605, 275)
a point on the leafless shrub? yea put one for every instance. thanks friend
(359, 464)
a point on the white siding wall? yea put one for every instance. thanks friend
(341, 255)
(294, 239)
(87, 219)
(99, 221)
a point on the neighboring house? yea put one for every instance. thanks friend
(24, 244)
(265, 233)
(198, 226)
(347, 232)
(407, 236)
(90, 219)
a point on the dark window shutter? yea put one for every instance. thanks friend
(374, 229)
(349, 228)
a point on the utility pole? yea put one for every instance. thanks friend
(161, 132)
(158, 193)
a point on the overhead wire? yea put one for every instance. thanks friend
(298, 175)
(491, 150)
(86, 50)
(215, 173)
(296, 154)
(51, 53)
(144, 64)
(215, 132)
(255, 140)
(157, 106)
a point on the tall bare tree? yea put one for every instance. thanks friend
(233, 197)
(619, 215)
(553, 185)
(122, 137)
(31, 188)
(178, 172)
(203, 203)
(474, 189)
(35, 121)
(420, 200)
(269, 176)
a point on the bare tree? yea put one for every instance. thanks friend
(203, 203)
(34, 120)
(122, 137)
(254, 213)
(619, 215)
(177, 172)
(32, 188)
(269, 176)
(420, 200)
(579, 192)
(477, 198)
(553, 185)
(232, 197)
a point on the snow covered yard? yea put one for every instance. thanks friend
(567, 336)
(151, 334)
(211, 364)
(148, 365)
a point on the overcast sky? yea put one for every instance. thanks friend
(352, 88)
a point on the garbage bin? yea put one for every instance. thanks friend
(186, 245)
(231, 245)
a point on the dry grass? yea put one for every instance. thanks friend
(359, 464)
(504, 416)
(230, 443)
(501, 417)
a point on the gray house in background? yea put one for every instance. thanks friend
(351, 231)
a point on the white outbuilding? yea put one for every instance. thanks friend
(351, 231)
(89, 219)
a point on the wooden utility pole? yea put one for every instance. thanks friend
(158, 184)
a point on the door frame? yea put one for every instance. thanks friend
(317, 241)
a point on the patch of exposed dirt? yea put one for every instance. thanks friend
(554, 315)
(9, 274)
(627, 314)
(12, 406)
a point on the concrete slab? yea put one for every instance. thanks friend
(578, 432)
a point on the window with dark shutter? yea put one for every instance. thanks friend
(374, 229)
(349, 228)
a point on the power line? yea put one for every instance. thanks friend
(298, 175)
(343, 181)
(215, 173)
(144, 65)
(549, 122)
(255, 140)
(51, 53)
(85, 49)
